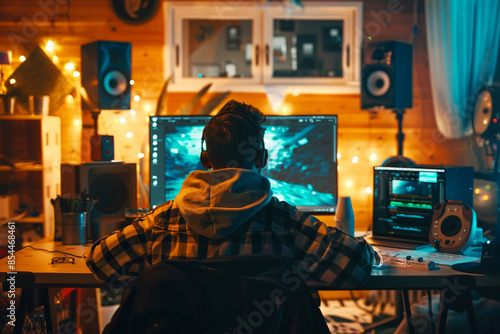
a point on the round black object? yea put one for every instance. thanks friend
(451, 226)
(110, 192)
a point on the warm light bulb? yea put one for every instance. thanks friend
(368, 190)
(76, 122)
(477, 191)
(140, 155)
(486, 197)
(129, 135)
(147, 107)
(12, 81)
(355, 160)
(373, 157)
(132, 82)
(349, 183)
(132, 112)
(22, 58)
(76, 74)
(339, 155)
(137, 98)
(50, 46)
(123, 120)
(55, 59)
(69, 66)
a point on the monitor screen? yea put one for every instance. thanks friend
(302, 166)
(404, 198)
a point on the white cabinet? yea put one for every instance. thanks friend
(30, 153)
(244, 46)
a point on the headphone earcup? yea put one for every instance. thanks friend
(262, 158)
(265, 158)
(205, 160)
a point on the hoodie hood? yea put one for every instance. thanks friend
(216, 203)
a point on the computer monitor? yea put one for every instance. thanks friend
(302, 165)
(404, 198)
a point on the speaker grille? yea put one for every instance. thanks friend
(110, 191)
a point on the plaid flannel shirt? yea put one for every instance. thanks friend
(278, 228)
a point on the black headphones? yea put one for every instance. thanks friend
(261, 153)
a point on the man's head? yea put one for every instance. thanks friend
(235, 138)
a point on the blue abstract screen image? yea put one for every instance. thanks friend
(302, 166)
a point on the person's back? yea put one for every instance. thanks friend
(230, 210)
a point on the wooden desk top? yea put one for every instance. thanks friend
(38, 264)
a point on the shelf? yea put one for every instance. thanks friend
(32, 220)
(31, 168)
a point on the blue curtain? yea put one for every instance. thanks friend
(462, 42)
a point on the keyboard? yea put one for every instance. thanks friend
(428, 254)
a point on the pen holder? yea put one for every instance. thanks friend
(75, 228)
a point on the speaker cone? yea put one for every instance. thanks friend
(115, 83)
(378, 83)
(111, 193)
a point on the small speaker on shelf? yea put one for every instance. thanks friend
(387, 76)
(453, 226)
(106, 74)
(102, 148)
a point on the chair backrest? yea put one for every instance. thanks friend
(233, 294)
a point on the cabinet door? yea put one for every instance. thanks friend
(215, 44)
(311, 45)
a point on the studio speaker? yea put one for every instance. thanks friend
(113, 184)
(453, 226)
(106, 74)
(387, 75)
(102, 148)
(486, 117)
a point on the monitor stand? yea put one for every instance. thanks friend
(395, 243)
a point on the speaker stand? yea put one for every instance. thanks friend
(399, 160)
(95, 116)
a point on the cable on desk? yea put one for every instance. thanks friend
(55, 251)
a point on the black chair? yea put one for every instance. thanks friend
(233, 294)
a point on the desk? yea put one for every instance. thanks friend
(35, 269)
(35, 273)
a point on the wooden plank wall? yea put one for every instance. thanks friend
(71, 23)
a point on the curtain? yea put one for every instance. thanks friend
(462, 43)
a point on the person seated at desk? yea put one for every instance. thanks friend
(230, 210)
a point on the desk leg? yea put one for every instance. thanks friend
(25, 304)
(31, 298)
(406, 301)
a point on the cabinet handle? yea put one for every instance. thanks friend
(177, 55)
(257, 55)
(267, 54)
(348, 55)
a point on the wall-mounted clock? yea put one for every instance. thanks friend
(135, 11)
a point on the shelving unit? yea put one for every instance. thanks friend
(30, 149)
